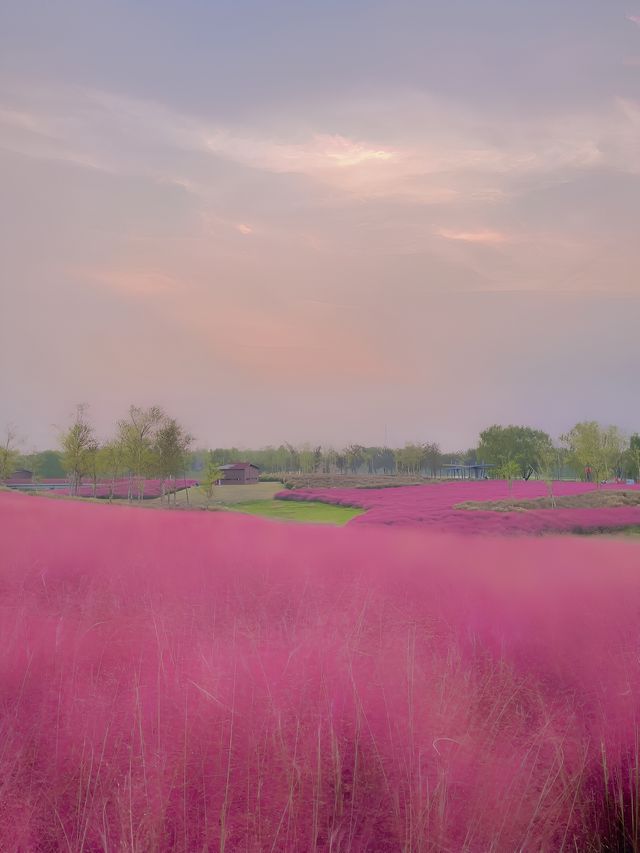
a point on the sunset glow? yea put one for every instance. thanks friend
(281, 161)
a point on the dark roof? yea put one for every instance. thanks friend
(237, 466)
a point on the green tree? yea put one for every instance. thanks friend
(595, 448)
(93, 466)
(49, 464)
(171, 448)
(9, 454)
(212, 474)
(547, 469)
(355, 457)
(523, 445)
(509, 470)
(33, 462)
(78, 447)
(292, 458)
(432, 457)
(307, 460)
(409, 458)
(634, 451)
(137, 435)
(111, 463)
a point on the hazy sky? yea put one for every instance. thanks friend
(323, 221)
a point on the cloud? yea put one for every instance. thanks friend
(311, 156)
(244, 229)
(19, 119)
(140, 282)
(483, 236)
(447, 158)
(635, 19)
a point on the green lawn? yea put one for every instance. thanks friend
(309, 511)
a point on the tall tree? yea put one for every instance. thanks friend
(634, 449)
(355, 456)
(78, 446)
(595, 452)
(9, 454)
(111, 462)
(137, 434)
(523, 445)
(547, 469)
(410, 458)
(212, 474)
(432, 457)
(171, 447)
(509, 470)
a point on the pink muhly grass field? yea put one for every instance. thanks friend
(122, 488)
(434, 506)
(212, 681)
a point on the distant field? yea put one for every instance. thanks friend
(351, 481)
(314, 512)
(590, 499)
(437, 506)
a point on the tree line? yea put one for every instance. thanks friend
(587, 451)
(354, 458)
(148, 443)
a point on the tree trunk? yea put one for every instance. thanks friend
(186, 488)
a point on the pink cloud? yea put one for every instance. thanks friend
(635, 19)
(136, 282)
(244, 229)
(484, 236)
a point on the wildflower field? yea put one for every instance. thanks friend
(436, 506)
(213, 681)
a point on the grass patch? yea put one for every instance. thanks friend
(309, 511)
(222, 496)
(625, 532)
(586, 500)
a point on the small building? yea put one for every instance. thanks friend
(21, 475)
(239, 474)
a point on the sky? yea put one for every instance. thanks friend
(332, 222)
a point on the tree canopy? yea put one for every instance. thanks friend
(595, 451)
(520, 444)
